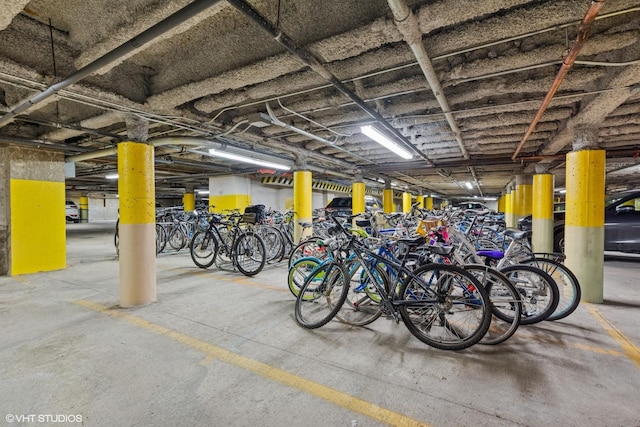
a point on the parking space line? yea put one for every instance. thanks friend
(629, 349)
(328, 394)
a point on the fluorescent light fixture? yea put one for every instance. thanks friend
(387, 143)
(203, 191)
(111, 176)
(469, 185)
(562, 191)
(239, 158)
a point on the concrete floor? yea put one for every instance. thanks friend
(219, 348)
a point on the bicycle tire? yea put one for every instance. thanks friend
(445, 307)
(504, 298)
(203, 248)
(177, 239)
(308, 248)
(362, 304)
(322, 295)
(273, 242)
(568, 285)
(161, 238)
(249, 255)
(532, 283)
(299, 271)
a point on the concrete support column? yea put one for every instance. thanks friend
(189, 201)
(584, 223)
(501, 203)
(429, 203)
(524, 196)
(357, 197)
(387, 200)
(420, 200)
(137, 247)
(508, 206)
(542, 213)
(32, 210)
(84, 209)
(228, 193)
(512, 208)
(302, 203)
(406, 202)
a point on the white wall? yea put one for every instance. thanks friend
(103, 208)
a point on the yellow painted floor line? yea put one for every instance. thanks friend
(629, 349)
(315, 389)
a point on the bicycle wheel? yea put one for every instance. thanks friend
(249, 255)
(116, 237)
(538, 290)
(273, 242)
(308, 248)
(445, 307)
(161, 238)
(504, 298)
(362, 304)
(567, 282)
(203, 248)
(299, 271)
(177, 239)
(322, 295)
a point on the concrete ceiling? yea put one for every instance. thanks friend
(82, 75)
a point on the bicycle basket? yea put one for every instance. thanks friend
(249, 218)
(202, 224)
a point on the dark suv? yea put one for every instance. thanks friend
(621, 223)
(342, 206)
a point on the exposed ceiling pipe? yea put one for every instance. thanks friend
(278, 122)
(39, 143)
(583, 34)
(407, 24)
(146, 36)
(312, 62)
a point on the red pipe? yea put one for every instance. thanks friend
(583, 34)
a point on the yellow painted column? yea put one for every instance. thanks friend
(387, 200)
(420, 200)
(406, 202)
(32, 206)
(584, 223)
(513, 208)
(542, 213)
(84, 209)
(429, 203)
(501, 203)
(508, 206)
(357, 198)
(524, 193)
(189, 202)
(137, 232)
(302, 201)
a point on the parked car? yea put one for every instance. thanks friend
(474, 206)
(72, 212)
(342, 206)
(621, 223)
(525, 223)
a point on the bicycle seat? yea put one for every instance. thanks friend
(440, 250)
(516, 234)
(491, 253)
(415, 241)
(304, 224)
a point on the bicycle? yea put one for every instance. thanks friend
(217, 238)
(443, 306)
